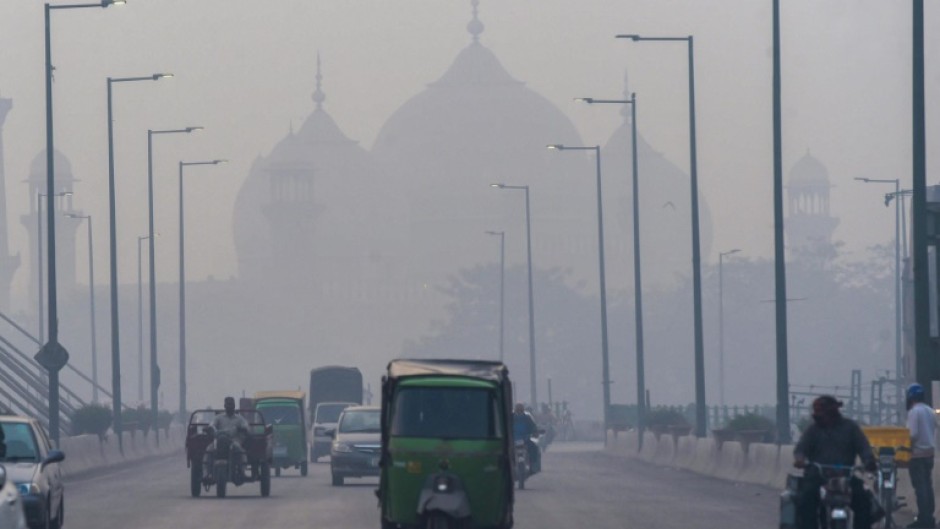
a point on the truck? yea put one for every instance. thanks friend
(332, 389)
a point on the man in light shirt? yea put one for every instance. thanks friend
(922, 425)
(231, 423)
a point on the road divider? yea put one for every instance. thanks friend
(87, 452)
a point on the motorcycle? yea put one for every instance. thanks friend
(886, 485)
(835, 492)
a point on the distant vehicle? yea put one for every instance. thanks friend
(330, 384)
(32, 465)
(357, 444)
(213, 461)
(325, 419)
(11, 507)
(284, 411)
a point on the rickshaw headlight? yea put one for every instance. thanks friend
(442, 484)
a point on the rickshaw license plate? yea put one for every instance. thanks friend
(280, 451)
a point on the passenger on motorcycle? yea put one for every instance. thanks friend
(231, 424)
(831, 440)
(524, 428)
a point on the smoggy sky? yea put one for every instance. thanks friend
(245, 70)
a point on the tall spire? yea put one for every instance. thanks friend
(8, 263)
(475, 27)
(318, 96)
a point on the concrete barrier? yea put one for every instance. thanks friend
(685, 452)
(650, 445)
(731, 462)
(665, 450)
(86, 452)
(761, 463)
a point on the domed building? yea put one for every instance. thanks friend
(809, 222)
(475, 126)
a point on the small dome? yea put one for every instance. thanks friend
(809, 172)
(63, 167)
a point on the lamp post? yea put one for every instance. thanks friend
(700, 412)
(182, 309)
(528, 245)
(605, 372)
(112, 222)
(140, 318)
(154, 366)
(52, 355)
(39, 263)
(91, 297)
(502, 285)
(897, 281)
(721, 324)
(637, 276)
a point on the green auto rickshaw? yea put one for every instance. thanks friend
(284, 411)
(447, 448)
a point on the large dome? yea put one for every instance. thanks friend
(475, 126)
(808, 172)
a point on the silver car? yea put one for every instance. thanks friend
(11, 507)
(32, 466)
(357, 444)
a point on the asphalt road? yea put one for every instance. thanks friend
(581, 486)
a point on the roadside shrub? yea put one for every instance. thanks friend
(92, 419)
(753, 421)
(164, 418)
(666, 417)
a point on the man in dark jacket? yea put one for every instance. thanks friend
(831, 440)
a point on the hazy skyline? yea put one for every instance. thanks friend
(246, 72)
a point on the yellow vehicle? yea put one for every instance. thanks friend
(284, 411)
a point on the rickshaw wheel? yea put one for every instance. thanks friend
(303, 468)
(195, 479)
(265, 480)
(439, 520)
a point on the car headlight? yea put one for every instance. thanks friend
(342, 447)
(26, 489)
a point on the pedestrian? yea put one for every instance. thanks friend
(923, 427)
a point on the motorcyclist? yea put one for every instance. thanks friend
(831, 440)
(546, 421)
(231, 424)
(524, 428)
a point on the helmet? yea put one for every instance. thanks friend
(915, 392)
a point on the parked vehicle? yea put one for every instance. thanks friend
(11, 507)
(284, 411)
(325, 420)
(213, 461)
(446, 440)
(32, 466)
(357, 443)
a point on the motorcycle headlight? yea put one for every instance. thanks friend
(839, 514)
(443, 484)
(342, 447)
(26, 489)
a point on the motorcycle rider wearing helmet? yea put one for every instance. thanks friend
(231, 423)
(922, 425)
(831, 440)
(524, 427)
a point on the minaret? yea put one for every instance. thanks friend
(8, 263)
(475, 27)
(809, 221)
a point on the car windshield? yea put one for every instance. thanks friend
(360, 421)
(449, 413)
(18, 443)
(281, 414)
(329, 412)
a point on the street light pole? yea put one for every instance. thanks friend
(528, 245)
(112, 222)
(637, 276)
(502, 284)
(53, 355)
(91, 297)
(701, 415)
(39, 261)
(721, 324)
(900, 404)
(140, 318)
(602, 276)
(182, 309)
(154, 366)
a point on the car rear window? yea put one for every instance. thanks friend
(329, 412)
(360, 421)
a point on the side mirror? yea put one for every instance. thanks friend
(331, 433)
(54, 456)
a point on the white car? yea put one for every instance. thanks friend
(11, 506)
(325, 418)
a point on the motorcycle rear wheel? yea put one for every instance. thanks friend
(220, 484)
(521, 473)
(265, 479)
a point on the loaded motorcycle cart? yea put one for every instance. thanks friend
(214, 460)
